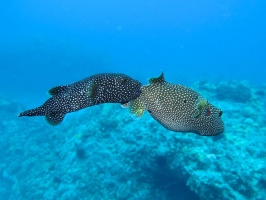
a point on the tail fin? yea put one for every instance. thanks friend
(33, 112)
(53, 118)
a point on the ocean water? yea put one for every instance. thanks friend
(218, 48)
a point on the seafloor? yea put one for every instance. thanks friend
(104, 152)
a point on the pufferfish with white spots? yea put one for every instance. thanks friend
(178, 108)
(94, 90)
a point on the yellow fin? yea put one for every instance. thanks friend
(137, 107)
(200, 106)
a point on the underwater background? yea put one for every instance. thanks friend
(218, 48)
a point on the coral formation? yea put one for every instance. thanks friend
(105, 153)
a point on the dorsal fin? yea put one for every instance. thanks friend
(58, 89)
(159, 79)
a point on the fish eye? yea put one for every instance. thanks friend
(220, 113)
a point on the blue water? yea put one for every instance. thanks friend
(48, 43)
(45, 43)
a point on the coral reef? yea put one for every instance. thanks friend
(105, 153)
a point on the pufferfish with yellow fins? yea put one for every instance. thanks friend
(178, 108)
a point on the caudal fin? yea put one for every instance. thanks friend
(33, 112)
(53, 118)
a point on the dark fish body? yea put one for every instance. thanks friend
(178, 108)
(94, 90)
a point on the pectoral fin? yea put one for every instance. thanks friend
(137, 107)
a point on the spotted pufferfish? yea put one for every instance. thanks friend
(94, 90)
(178, 108)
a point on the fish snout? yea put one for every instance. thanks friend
(213, 124)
